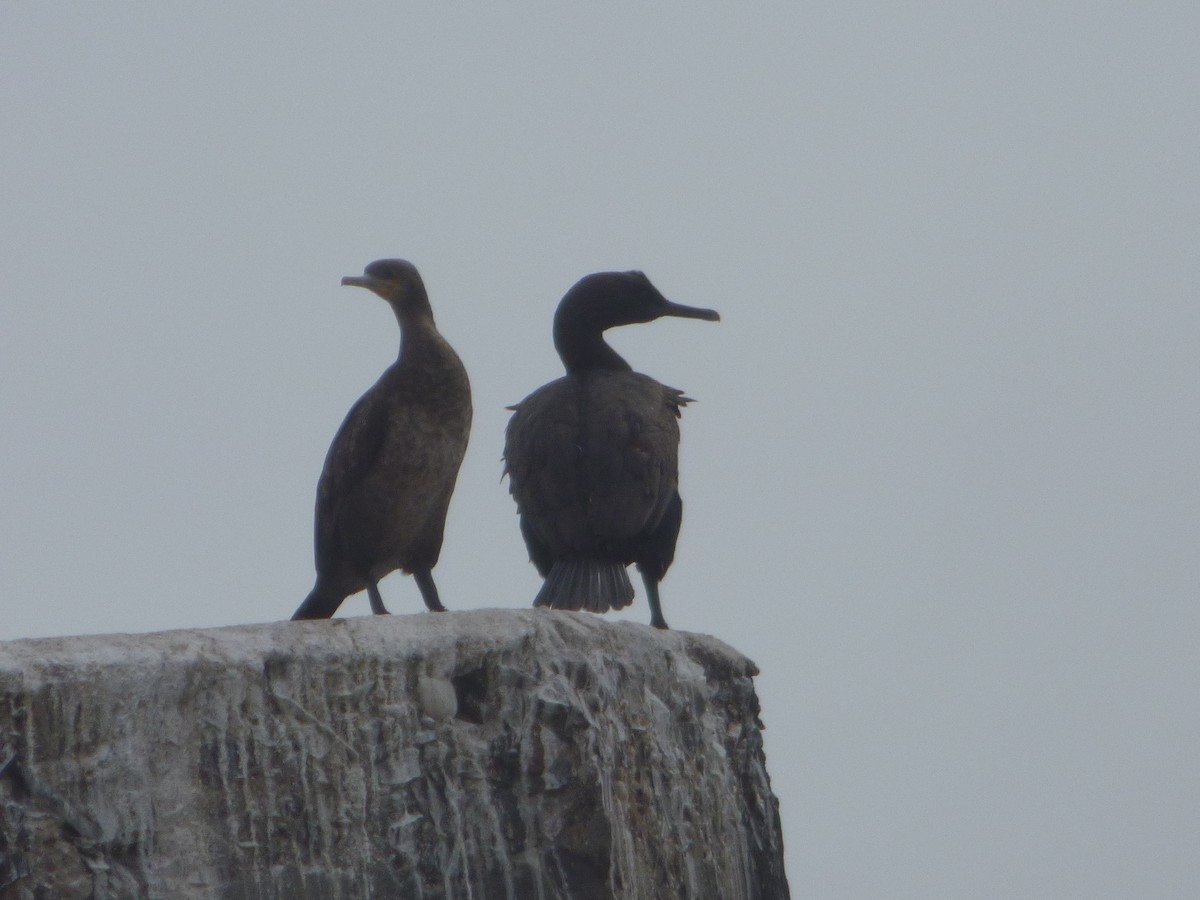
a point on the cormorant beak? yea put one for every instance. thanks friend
(687, 312)
(378, 285)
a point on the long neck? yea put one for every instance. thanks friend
(421, 344)
(414, 320)
(418, 335)
(411, 306)
(582, 347)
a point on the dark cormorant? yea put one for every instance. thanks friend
(389, 474)
(593, 458)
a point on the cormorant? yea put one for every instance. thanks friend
(390, 471)
(593, 458)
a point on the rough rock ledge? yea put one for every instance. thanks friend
(488, 754)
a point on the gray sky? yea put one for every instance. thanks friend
(941, 478)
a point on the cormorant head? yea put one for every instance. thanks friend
(396, 281)
(606, 299)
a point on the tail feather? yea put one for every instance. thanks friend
(318, 605)
(585, 584)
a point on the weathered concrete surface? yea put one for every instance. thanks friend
(489, 754)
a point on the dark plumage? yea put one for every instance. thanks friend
(389, 474)
(593, 458)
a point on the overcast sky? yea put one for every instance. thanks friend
(941, 477)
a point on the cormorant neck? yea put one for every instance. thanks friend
(412, 308)
(419, 338)
(582, 348)
(420, 341)
(414, 319)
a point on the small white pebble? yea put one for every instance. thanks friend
(437, 697)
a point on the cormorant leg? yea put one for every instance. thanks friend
(428, 590)
(656, 616)
(377, 606)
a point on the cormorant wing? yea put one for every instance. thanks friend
(593, 462)
(541, 458)
(352, 455)
(633, 455)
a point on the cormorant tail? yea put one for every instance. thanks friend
(585, 584)
(318, 605)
